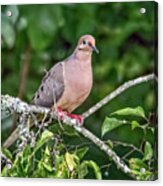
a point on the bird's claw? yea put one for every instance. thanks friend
(79, 119)
(61, 113)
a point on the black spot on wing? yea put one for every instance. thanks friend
(42, 88)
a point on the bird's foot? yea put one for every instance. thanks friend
(61, 113)
(78, 118)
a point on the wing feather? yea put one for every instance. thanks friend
(51, 88)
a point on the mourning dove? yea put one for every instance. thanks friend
(69, 82)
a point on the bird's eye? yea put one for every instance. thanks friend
(84, 42)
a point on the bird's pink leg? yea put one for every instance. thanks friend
(79, 118)
(61, 113)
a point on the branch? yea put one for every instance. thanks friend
(117, 92)
(10, 105)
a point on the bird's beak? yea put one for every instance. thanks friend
(95, 49)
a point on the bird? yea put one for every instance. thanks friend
(69, 82)
(66, 85)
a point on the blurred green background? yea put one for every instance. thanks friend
(35, 37)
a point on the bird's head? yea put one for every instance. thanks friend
(86, 43)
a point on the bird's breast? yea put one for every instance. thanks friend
(78, 84)
(80, 81)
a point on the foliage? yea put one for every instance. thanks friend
(140, 166)
(46, 162)
(35, 37)
(52, 157)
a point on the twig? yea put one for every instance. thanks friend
(10, 105)
(127, 145)
(124, 157)
(105, 166)
(117, 92)
(72, 147)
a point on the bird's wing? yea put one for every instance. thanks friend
(51, 88)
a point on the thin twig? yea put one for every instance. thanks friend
(117, 92)
(124, 157)
(127, 145)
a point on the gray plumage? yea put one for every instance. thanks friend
(51, 88)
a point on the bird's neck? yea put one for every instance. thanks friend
(83, 55)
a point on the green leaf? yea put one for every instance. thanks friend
(151, 129)
(46, 161)
(70, 131)
(22, 164)
(137, 111)
(137, 164)
(70, 160)
(109, 143)
(148, 151)
(110, 124)
(81, 152)
(94, 166)
(140, 169)
(46, 136)
(7, 153)
(134, 124)
(82, 171)
(142, 176)
(47, 166)
(64, 164)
